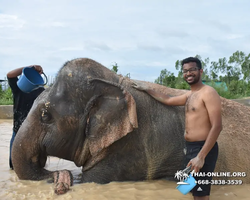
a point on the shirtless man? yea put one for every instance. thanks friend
(203, 122)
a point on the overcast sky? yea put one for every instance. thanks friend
(142, 36)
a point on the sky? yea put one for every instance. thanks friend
(142, 36)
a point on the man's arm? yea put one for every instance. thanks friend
(168, 100)
(212, 103)
(17, 72)
(163, 98)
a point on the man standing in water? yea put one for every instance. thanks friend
(203, 122)
(22, 102)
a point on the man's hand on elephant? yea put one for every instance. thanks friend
(196, 163)
(139, 85)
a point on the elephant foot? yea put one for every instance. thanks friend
(62, 180)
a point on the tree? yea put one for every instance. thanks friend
(166, 78)
(178, 175)
(228, 71)
(205, 67)
(240, 60)
(115, 68)
(245, 67)
(234, 73)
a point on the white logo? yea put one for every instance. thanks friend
(199, 189)
(182, 176)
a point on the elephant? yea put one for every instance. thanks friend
(95, 118)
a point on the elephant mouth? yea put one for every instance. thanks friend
(84, 158)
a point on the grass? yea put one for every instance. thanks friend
(6, 97)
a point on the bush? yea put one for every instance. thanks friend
(6, 97)
(224, 92)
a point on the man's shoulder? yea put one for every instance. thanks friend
(13, 85)
(209, 93)
(12, 80)
(208, 89)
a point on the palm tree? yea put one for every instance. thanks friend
(178, 175)
(185, 176)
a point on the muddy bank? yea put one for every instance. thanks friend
(245, 101)
(6, 112)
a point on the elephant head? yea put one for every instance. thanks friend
(85, 111)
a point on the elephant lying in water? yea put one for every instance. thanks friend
(96, 119)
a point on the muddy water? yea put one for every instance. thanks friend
(13, 188)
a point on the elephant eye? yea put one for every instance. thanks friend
(46, 116)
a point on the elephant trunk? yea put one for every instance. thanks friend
(27, 156)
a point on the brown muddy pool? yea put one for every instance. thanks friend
(13, 188)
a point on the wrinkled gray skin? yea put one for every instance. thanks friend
(96, 119)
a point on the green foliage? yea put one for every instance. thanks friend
(166, 78)
(240, 60)
(6, 97)
(233, 72)
(222, 91)
(115, 68)
(182, 85)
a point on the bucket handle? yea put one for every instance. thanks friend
(45, 78)
(45, 81)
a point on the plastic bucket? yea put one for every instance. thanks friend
(30, 80)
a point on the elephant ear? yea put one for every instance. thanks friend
(112, 116)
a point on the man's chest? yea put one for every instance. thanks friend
(194, 103)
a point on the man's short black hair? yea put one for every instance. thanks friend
(192, 59)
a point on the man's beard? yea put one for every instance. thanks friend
(195, 80)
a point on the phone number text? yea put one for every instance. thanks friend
(219, 182)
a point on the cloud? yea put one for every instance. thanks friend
(10, 22)
(173, 33)
(143, 37)
(147, 47)
(49, 24)
(75, 48)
